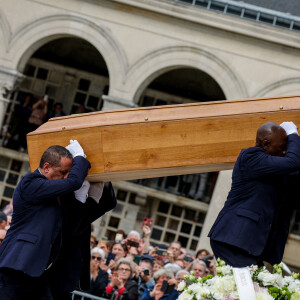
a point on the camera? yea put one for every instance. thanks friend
(188, 258)
(166, 288)
(206, 259)
(161, 252)
(146, 272)
(132, 243)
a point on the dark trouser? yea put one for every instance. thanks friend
(15, 285)
(234, 256)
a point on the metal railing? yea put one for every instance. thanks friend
(249, 12)
(85, 296)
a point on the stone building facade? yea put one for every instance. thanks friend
(112, 54)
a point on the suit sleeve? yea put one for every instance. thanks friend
(259, 163)
(44, 189)
(107, 202)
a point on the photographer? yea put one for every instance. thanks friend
(165, 287)
(144, 273)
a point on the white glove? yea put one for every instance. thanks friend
(96, 190)
(81, 194)
(75, 149)
(289, 127)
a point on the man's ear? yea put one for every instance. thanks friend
(46, 167)
(265, 144)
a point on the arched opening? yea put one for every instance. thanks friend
(70, 72)
(184, 85)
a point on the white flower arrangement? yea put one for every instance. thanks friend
(267, 286)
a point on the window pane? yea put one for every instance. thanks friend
(84, 84)
(194, 244)
(148, 101)
(121, 195)
(186, 227)
(163, 207)
(190, 214)
(183, 240)
(4, 162)
(169, 237)
(156, 234)
(173, 224)
(8, 192)
(2, 175)
(160, 221)
(114, 222)
(16, 165)
(176, 211)
(197, 231)
(12, 178)
(118, 209)
(42, 73)
(93, 102)
(80, 98)
(29, 70)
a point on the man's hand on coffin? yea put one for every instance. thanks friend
(75, 149)
(96, 190)
(289, 127)
(82, 193)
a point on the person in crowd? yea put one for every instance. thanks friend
(119, 249)
(2, 235)
(174, 251)
(172, 267)
(251, 228)
(157, 264)
(103, 245)
(180, 275)
(201, 253)
(99, 277)
(199, 267)
(165, 286)
(187, 260)
(8, 209)
(143, 272)
(57, 111)
(120, 234)
(133, 238)
(180, 263)
(93, 242)
(3, 220)
(122, 287)
(38, 114)
(18, 124)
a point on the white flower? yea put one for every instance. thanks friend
(185, 296)
(295, 296)
(222, 287)
(226, 270)
(181, 286)
(263, 296)
(270, 279)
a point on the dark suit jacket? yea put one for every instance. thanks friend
(37, 220)
(257, 213)
(72, 269)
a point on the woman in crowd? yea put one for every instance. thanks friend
(165, 287)
(180, 274)
(99, 277)
(122, 287)
(119, 248)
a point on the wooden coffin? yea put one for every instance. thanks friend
(166, 140)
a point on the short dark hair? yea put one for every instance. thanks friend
(3, 217)
(53, 155)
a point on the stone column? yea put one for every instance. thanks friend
(217, 201)
(9, 81)
(111, 102)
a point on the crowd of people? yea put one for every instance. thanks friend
(130, 268)
(27, 116)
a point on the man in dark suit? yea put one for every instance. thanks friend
(44, 210)
(253, 225)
